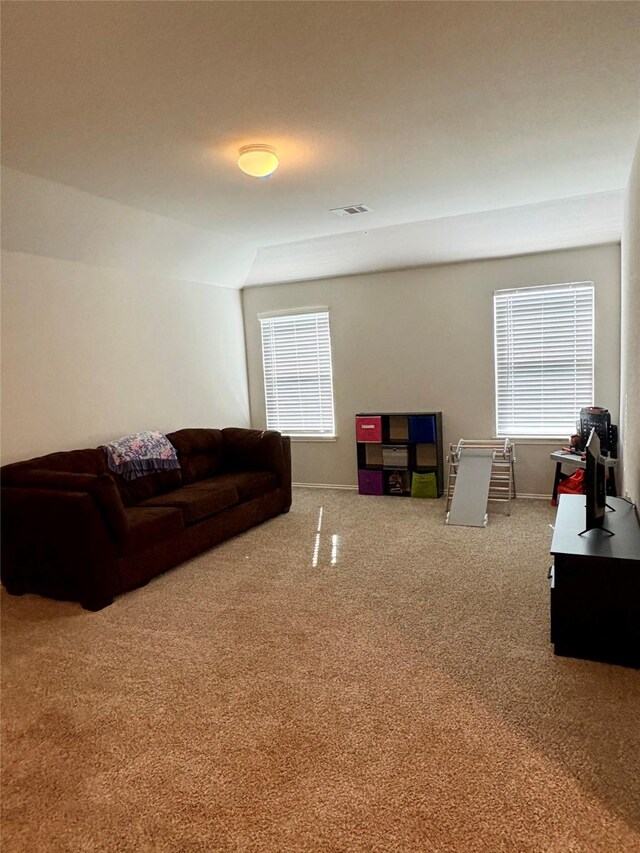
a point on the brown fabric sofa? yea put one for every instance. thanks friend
(73, 530)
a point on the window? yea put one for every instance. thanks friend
(544, 359)
(298, 379)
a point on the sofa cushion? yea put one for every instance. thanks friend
(199, 452)
(133, 492)
(198, 501)
(149, 525)
(249, 484)
(252, 450)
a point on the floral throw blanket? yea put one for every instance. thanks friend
(140, 454)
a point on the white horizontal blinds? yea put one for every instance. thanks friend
(544, 359)
(298, 378)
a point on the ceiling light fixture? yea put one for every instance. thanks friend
(259, 161)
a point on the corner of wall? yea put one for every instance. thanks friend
(629, 340)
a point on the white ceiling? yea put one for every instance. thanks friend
(435, 114)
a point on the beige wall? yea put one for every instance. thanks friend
(422, 339)
(90, 353)
(630, 337)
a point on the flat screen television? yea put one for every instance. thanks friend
(594, 485)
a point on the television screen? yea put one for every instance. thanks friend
(594, 483)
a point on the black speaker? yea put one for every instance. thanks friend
(595, 417)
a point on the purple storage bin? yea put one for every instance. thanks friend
(370, 482)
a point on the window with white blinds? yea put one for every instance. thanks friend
(544, 359)
(298, 377)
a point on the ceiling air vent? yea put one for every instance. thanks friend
(351, 210)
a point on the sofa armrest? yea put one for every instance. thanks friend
(258, 450)
(285, 481)
(56, 542)
(101, 487)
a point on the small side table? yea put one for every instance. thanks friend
(574, 460)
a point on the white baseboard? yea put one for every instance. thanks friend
(323, 486)
(526, 497)
(535, 497)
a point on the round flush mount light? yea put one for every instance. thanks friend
(259, 161)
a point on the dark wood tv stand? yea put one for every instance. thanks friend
(595, 584)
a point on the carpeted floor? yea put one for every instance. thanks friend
(388, 686)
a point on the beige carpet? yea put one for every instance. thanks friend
(399, 695)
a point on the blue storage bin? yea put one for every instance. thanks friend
(422, 428)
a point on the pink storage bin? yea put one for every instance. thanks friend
(368, 428)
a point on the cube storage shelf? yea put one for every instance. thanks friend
(393, 446)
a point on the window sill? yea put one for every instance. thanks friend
(533, 440)
(320, 438)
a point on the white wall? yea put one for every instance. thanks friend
(45, 218)
(630, 337)
(91, 353)
(422, 340)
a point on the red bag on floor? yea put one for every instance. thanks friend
(573, 485)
